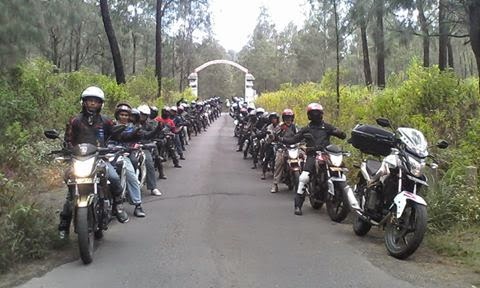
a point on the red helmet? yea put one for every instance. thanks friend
(315, 112)
(288, 112)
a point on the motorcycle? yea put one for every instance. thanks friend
(138, 157)
(386, 194)
(92, 198)
(294, 164)
(328, 183)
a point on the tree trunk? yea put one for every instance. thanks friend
(443, 32)
(450, 53)
(379, 43)
(337, 45)
(173, 58)
(112, 40)
(78, 47)
(70, 52)
(158, 47)
(425, 37)
(366, 58)
(473, 9)
(134, 60)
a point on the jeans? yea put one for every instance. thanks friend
(151, 179)
(133, 186)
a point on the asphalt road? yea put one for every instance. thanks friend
(218, 226)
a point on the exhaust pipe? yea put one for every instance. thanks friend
(351, 198)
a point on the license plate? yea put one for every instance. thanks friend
(84, 180)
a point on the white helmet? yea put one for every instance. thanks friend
(173, 108)
(93, 91)
(260, 110)
(144, 109)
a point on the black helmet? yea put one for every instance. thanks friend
(153, 112)
(273, 115)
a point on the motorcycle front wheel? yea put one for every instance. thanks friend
(85, 233)
(337, 205)
(314, 202)
(294, 180)
(403, 235)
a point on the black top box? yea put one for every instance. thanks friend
(372, 140)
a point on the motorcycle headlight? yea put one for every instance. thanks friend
(416, 167)
(336, 160)
(293, 153)
(235, 122)
(83, 168)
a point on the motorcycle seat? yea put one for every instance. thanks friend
(373, 166)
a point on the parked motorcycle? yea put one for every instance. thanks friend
(92, 198)
(328, 183)
(387, 191)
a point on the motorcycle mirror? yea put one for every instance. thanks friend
(442, 144)
(51, 134)
(384, 122)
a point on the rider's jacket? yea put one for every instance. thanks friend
(320, 139)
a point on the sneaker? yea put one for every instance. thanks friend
(274, 188)
(122, 216)
(182, 158)
(139, 211)
(298, 211)
(162, 177)
(156, 192)
(178, 166)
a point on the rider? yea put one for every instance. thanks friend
(146, 128)
(91, 127)
(287, 129)
(267, 150)
(122, 115)
(164, 119)
(317, 136)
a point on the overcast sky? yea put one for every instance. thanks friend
(234, 20)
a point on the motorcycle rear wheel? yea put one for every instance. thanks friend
(85, 233)
(360, 226)
(413, 221)
(337, 205)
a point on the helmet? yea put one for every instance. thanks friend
(135, 115)
(252, 113)
(273, 115)
(315, 112)
(288, 113)
(144, 109)
(95, 92)
(122, 107)
(153, 112)
(180, 108)
(243, 111)
(174, 109)
(260, 112)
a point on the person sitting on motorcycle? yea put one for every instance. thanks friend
(267, 152)
(287, 129)
(164, 119)
(260, 125)
(122, 115)
(94, 128)
(147, 129)
(178, 126)
(317, 136)
(249, 126)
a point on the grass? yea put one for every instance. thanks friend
(461, 244)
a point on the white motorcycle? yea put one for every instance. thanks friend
(387, 191)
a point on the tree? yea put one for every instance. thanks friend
(380, 42)
(473, 14)
(112, 40)
(443, 32)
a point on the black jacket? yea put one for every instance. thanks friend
(320, 136)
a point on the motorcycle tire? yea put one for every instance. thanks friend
(337, 205)
(294, 181)
(85, 233)
(360, 226)
(414, 218)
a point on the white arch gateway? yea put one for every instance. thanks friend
(250, 93)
